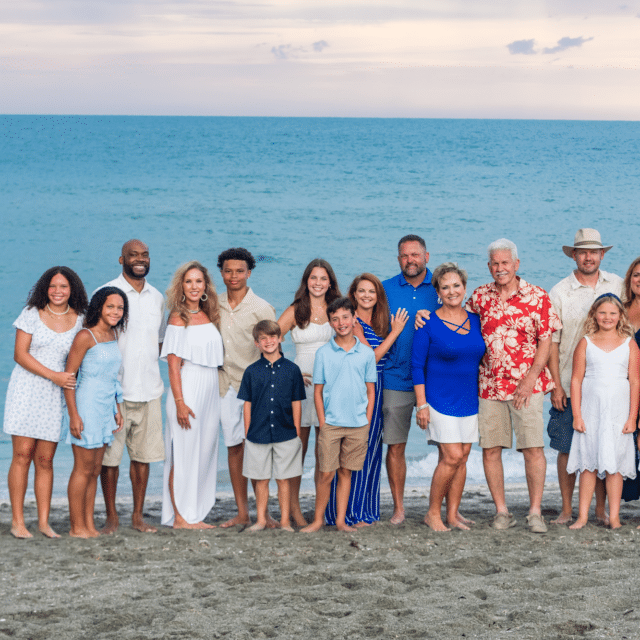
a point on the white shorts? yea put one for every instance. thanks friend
(450, 429)
(231, 418)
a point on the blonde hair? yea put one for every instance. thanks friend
(175, 294)
(623, 327)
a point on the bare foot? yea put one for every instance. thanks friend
(298, 519)
(578, 524)
(20, 531)
(563, 518)
(138, 523)
(110, 526)
(397, 517)
(603, 519)
(271, 523)
(245, 521)
(313, 527)
(287, 527)
(195, 525)
(462, 520)
(362, 523)
(435, 523)
(457, 524)
(93, 533)
(615, 523)
(258, 526)
(345, 527)
(80, 533)
(48, 532)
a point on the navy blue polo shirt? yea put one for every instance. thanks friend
(401, 294)
(271, 388)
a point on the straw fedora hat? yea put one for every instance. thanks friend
(585, 239)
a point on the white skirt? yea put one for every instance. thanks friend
(451, 429)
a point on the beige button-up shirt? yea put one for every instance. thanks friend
(236, 326)
(572, 302)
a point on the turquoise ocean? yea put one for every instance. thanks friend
(74, 188)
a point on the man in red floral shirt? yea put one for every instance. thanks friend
(517, 320)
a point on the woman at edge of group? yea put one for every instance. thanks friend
(193, 350)
(378, 330)
(631, 302)
(34, 408)
(307, 320)
(448, 403)
(93, 411)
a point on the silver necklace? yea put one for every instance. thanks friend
(58, 314)
(193, 312)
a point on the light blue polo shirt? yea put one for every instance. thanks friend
(401, 294)
(344, 374)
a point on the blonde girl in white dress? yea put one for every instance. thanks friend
(193, 349)
(604, 391)
(307, 320)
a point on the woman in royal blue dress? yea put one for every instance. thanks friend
(378, 330)
(445, 360)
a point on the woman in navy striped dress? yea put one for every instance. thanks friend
(378, 330)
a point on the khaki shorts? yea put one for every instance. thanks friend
(496, 417)
(342, 447)
(282, 459)
(142, 433)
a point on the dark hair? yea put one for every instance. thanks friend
(341, 303)
(237, 253)
(39, 297)
(627, 294)
(266, 328)
(97, 303)
(302, 300)
(412, 238)
(380, 313)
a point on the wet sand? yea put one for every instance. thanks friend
(380, 582)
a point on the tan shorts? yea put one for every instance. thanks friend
(142, 433)
(496, 417)
(282, 459)
(342, 447)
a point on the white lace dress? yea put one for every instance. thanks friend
(308, 341)
(193, 452)
(605, 409)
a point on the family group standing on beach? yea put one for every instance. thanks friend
(88, 372)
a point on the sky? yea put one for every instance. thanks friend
(559, 59)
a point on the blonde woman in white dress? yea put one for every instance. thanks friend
(193, 350)
(307, 320)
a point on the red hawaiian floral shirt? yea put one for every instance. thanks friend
(511, 331)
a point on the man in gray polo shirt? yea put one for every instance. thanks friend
(572, 299)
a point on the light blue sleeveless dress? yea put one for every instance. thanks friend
(97, 393)
(364, 499)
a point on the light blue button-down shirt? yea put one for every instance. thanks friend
(344, 375)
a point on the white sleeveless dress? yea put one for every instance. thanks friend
(308, 341)
(193, 452)
(605, 409)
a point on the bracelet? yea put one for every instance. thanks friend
(178, 399)
(421, 407)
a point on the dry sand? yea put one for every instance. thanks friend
(381, 582)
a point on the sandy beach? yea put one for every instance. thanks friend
(381, 582)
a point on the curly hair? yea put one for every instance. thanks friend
(39, 296)
(627, 294)
(302, 299)
(380, 313)
(237, 253)
(623, 327)
(175, 294)
(94, 312)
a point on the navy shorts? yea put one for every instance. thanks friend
(560, 428)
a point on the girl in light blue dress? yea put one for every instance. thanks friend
(93, 411)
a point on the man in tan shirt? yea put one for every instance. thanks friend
(240, 311)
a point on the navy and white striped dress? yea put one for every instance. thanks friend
(364, 499)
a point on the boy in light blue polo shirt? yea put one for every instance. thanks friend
(344, 377)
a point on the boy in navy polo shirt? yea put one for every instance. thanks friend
(344, 377)
(272, 389)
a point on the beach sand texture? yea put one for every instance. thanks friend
(381, 582)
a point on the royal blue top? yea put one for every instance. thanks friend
(447, 363)
(397, 372)
(344, 374)
(271, 388)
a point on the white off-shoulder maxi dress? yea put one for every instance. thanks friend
(193, 452)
